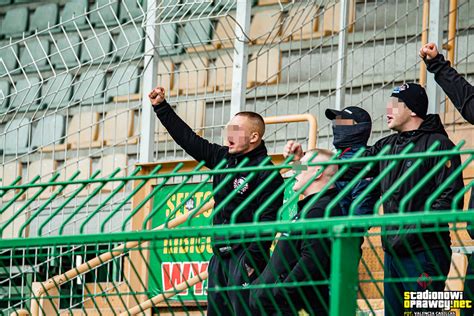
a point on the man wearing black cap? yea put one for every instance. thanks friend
(409, 253)
(351, 131)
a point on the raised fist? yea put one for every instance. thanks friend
(157, 96)
(429, 51)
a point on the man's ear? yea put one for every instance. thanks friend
(254, 137)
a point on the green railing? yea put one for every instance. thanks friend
(148, 247)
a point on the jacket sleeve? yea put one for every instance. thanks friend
(257, 250)
(196, 146)
(459, 91)
(443, 202)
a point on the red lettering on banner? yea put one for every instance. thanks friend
(174, 273)
(199, 267)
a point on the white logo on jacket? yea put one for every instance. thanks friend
(238, 182)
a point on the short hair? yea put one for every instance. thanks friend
(330, 170)
(256, 120)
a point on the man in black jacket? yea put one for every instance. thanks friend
(461, 93)
(407, 252)
(233, 264)
(304, 259)
(458, 90)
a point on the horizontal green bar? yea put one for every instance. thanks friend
(252, 169)
(247, 228)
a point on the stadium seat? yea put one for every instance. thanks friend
(74, 9)
(169, 40)
(130, 10)
(45, 168)
(5, 2)
(223, 36)
(9, 55)
(192, 112)
(264, 68)
(192, 76)
(26, 94)
(81, 164)
(166, 74)
(15, 22)
(196, 33)
(331, 16)
(96, 48)
(168, 10)
(118, 128)
(35, 54)
(90, 87)
(130, 43)
(65, 52)
(57, 90)
(4, 92)
(265, 26)
(222, 78)
(8, 173)
(48, 131)
(301, 23)
(82, 132)
(107, 164)
(105, 10)
(124, 81)
(271, 2)
(44, 16)
(17, 136)
(196, 7)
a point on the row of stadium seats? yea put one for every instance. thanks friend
(91, 87)
(84, 130)
(199, 35)
(39, 54)
(18, 22)
(194, 76)
(87, 129)
(45, 168)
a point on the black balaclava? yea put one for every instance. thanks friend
(346, 136)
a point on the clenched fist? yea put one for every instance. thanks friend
(157, 96)
(293, 148)
(429, 51)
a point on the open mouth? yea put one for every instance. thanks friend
(231, 144)
(389, 118)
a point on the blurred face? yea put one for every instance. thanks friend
(239, 137)
(305, 172)
(398, 114)
(344, 122)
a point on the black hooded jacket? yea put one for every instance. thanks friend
(404, 240)
(459, 91)
(202, 150)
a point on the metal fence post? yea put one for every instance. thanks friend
(150, 77)
(435, 34)
(342, 55)
(239, 72)
(344, 273)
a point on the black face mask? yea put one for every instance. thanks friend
(351, 135)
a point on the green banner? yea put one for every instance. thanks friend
(176, 260)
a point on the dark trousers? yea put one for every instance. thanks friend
(228, 271)
(413, 267)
